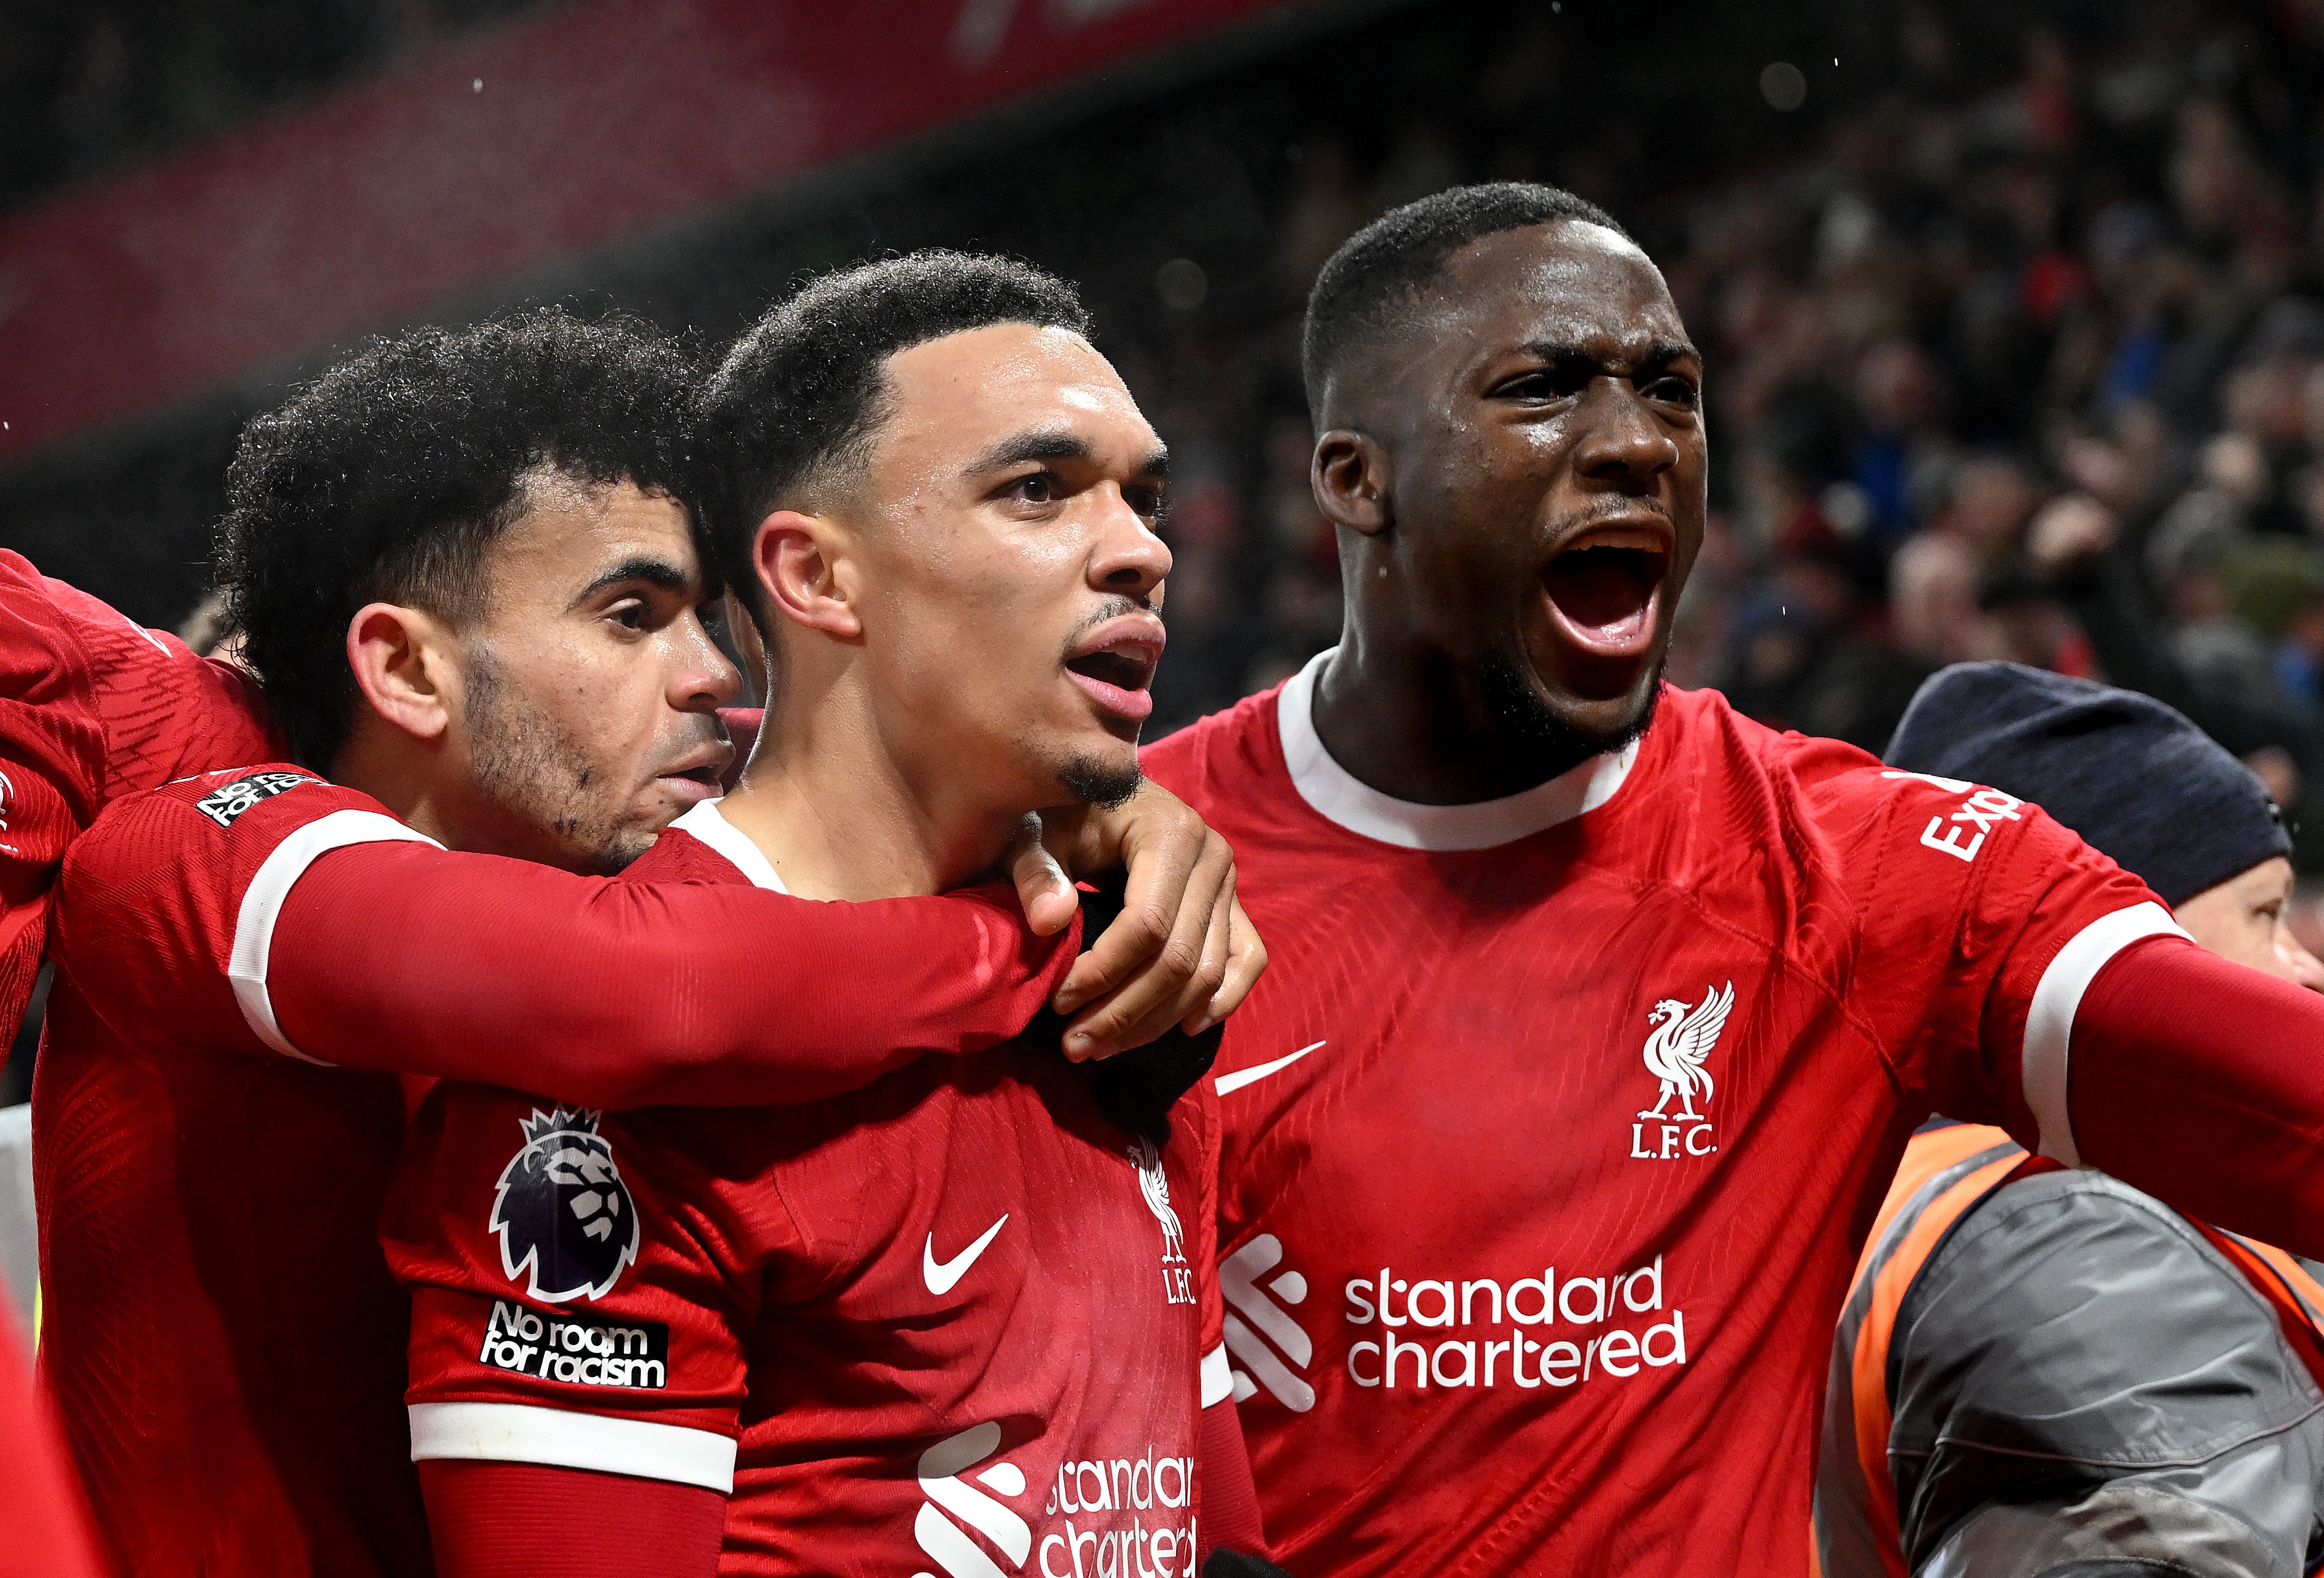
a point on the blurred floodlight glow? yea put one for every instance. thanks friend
(1784, 86)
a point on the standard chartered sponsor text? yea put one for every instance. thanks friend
(1614, 1327)
(1109, 1505)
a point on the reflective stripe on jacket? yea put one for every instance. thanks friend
(1964, 1449)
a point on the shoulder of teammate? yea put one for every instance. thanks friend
(580, 1299)
(170, 900)
(50, 725)
(1972, 919)
(163, 710)
(1914, 841)
(2143, 1344)
(1208, 762)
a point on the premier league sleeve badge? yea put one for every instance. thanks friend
(565, 1220)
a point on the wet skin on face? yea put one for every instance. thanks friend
(1520, 473)
(1014, 570)
(590, 686)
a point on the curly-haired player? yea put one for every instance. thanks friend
(471, 585)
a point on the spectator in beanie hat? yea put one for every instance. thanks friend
(2135, 779)
(2041, 1372)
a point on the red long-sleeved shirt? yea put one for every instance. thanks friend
(222, 1333)
(92, 706)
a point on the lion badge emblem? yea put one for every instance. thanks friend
(566, 1221)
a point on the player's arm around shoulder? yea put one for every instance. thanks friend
(2080, 1375)
(580, 1306)
(166, 906)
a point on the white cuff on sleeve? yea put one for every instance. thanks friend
(1218, 1380)
(521, 1433)
(261, 905)
(2049, 1019)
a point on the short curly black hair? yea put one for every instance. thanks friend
(1364, 287)
(790, 411)
(388, 478)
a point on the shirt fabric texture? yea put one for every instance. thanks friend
(1552, 1130)
(954, 1320)
(221, 1331)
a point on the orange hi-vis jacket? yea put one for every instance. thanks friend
(1947, 1175)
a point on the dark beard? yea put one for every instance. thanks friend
(1091, 782)
(1539, 735)
(531, 768)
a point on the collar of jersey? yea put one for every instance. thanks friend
(709, 824)
(1339, 797)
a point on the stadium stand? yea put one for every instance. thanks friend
(2002, 289)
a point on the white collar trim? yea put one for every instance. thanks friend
(1341, 798)
(709, 824)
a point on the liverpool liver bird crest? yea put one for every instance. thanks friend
(1155, 1184)
(1682, 1039)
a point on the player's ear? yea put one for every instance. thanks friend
(801, 565)
(401, 658)
(1350, 477)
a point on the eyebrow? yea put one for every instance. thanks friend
(1054, 444)
(1660, 354)
(1039, 444)
(653, 572)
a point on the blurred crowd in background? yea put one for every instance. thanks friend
(2023, 359)
(2013, 313)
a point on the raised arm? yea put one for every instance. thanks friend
(2201, 1082)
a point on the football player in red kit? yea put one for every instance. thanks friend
(92, 706)
(1600, 1014)
(500, 642)
(964, 1318)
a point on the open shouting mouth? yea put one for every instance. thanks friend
(1605, 585)
(1114, 665)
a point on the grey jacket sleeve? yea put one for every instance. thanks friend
(2082, 1385)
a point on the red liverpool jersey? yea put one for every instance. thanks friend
(1552, 1133)
(954, 1322)
(92, 707)
(220, 1330)
(223, 1335)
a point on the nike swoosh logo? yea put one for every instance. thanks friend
(942, 1277)
(1228, 1084)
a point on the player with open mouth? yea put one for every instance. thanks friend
(1654, 994)
(1114, 663)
